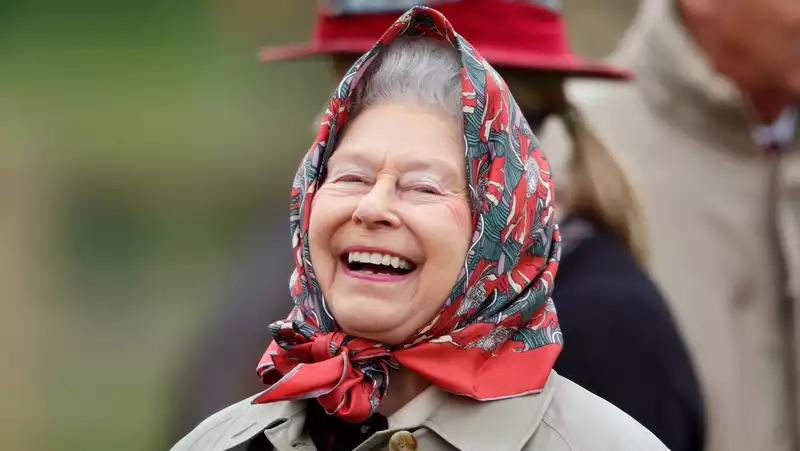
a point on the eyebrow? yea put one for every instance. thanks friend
(351, 158)
(448, 171)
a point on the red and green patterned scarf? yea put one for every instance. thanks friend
(497, 335)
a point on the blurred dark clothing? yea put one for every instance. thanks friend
(331, 433)
(221, 368)
(620, 340)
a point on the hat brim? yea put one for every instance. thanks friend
(569, 65)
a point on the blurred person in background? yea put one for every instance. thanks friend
(604, 297)
(220, 359)
(424, 233)
(708, 131)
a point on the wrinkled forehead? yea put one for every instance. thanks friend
(353, 7)
(403, 137)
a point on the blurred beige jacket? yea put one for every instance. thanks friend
(684, 134)
(563, 417)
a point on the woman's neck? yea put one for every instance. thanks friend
(404, 385)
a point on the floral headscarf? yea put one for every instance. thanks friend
(497, 334)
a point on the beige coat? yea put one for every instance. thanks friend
(564, 417)
(684, 134)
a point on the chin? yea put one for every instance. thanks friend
(383, 326)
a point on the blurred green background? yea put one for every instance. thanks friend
(140, 144)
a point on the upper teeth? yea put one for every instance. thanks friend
(378, 259)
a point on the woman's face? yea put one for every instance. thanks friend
(391, 224)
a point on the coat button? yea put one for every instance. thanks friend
(402, 441)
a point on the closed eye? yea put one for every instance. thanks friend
(427, 190)
(350, 179)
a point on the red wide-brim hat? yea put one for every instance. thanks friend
(526, 34)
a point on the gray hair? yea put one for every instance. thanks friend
(417, 71)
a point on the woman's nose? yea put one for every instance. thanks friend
(375, 208)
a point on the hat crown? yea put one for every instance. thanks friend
(526, 34)
(359, 7)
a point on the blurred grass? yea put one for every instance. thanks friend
(140, 145)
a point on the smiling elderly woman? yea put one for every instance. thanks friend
(425, 247)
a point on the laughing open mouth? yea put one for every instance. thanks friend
(377, 263)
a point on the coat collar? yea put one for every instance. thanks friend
(464, 423)
(243, 421)
(678, 81)
(502, 424)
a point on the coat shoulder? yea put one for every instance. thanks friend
(577, 420)
(232, 426)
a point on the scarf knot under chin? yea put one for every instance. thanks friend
(496, 335)
(347, 382)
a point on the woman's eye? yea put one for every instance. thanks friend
(427, 190)
(350, 179)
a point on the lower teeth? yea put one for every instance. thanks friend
(366, 271)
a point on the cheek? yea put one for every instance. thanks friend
(447, 229)
(446, 234)
(462, 220)
(329, 210)
(327, 215)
